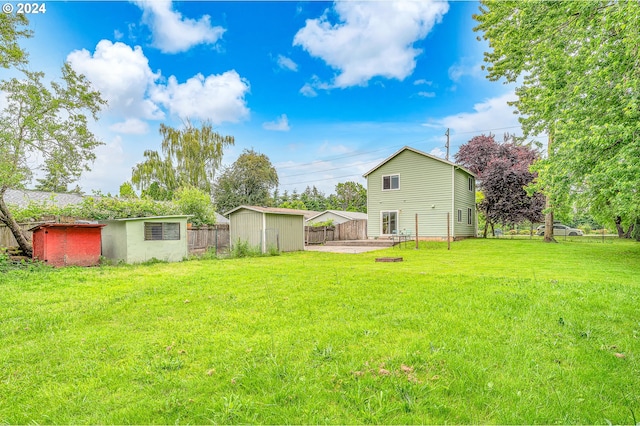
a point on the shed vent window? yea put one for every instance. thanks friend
(390, 182)
(471, 184)
(158, 231)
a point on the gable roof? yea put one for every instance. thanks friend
(22, 197)
(275, 210)
(344, 214)
(408, 148)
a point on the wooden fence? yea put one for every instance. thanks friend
(212, 237)
(351, 230)
(8, 240)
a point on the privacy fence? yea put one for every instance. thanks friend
(351, 230)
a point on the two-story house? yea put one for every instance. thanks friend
(410, 183)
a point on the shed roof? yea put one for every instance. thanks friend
(68, 225)
(175, 216)
(341, 213)
(408, 148)
(276, 210)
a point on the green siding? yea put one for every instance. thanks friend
(285, 231)
(125, 241)
(246, 225)
(425, 189)
(464, 199)
(114, 240)
(288, 230)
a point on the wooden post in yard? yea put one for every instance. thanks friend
(448, 231)
(416, 231)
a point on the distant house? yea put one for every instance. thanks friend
(337, 216)
(136, 240)
(22, 197)
(267, 227)
(412, 182)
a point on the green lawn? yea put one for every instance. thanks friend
(493, 331)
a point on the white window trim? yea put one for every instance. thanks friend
(397, 212)
(390, 189)
(471, 184)
(459, 215)
(469, 216)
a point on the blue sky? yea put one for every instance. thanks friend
(325, 90)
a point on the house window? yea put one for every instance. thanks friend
(159, 231)
(470, 184)
(459, 215)
(469, 212)
(390, 182)
(389, 223)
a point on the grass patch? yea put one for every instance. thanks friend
(493, 331)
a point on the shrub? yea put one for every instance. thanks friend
(243, 249)
(325, 223)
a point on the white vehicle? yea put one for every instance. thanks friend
(560, 230)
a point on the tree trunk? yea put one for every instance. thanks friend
(620, 229)
(7, 219)
(548, 218)
(548, 224)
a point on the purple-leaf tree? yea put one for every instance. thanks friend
(503, 174)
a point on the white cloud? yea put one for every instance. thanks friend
(133, 91)
(422, 81)
(465, 68)
(173, 33)
(131, 126)
(493, 115)
(437, 152)
(308, 91)
(218, 98)
(286, 63)
(109, 169)
(427, 94)
(370, 38)
(122, 75)
(280, 125)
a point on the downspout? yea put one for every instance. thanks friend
(453, 202)
(264, 232)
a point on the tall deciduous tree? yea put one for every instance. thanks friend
(250, 180)
(577, 66)
(503, 174)
(41, 122)
(349, 196)
(190, 157)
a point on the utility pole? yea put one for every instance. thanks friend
(447, 145)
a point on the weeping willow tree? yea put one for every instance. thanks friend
(190, 157)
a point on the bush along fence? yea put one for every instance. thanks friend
(351, 230)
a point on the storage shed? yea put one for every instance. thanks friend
(136, 240)
(65, 244)
(267, 227)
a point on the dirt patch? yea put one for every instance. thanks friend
(343, 249)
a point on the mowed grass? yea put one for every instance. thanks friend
(493, 331)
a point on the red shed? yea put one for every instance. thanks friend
(63, 244)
